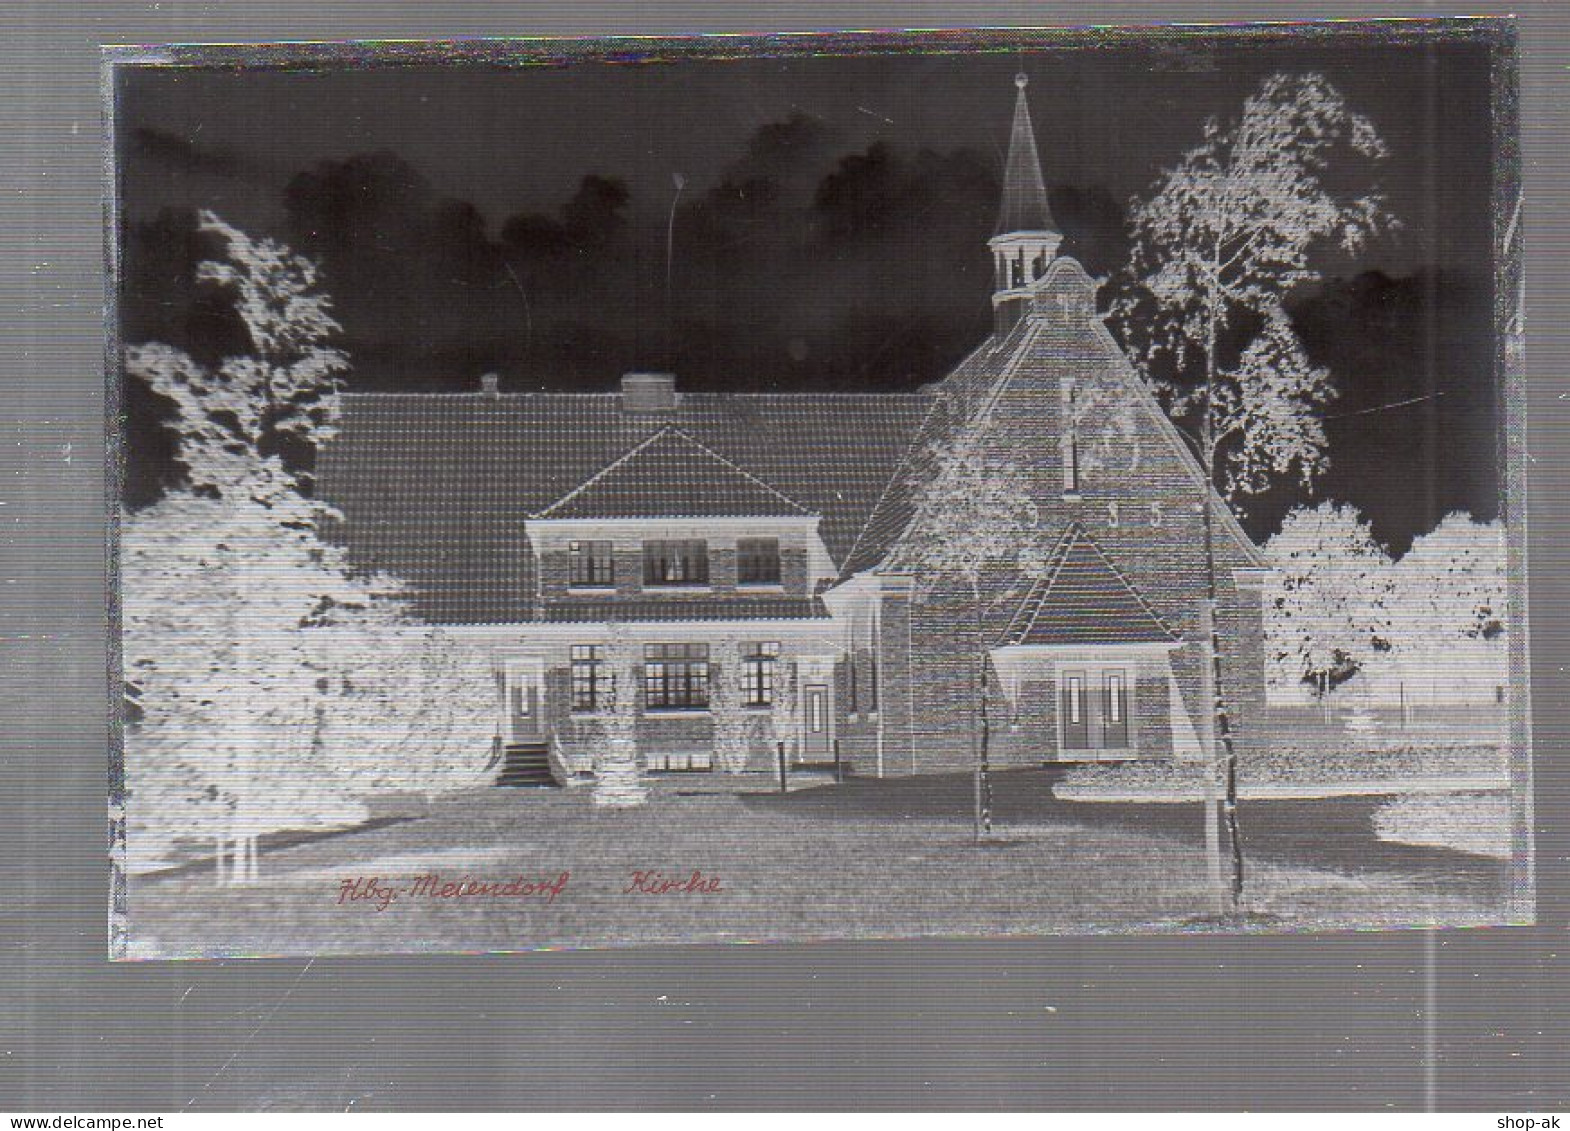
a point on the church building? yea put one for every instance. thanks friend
(760, 554)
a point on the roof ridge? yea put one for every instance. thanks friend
(648, 441)
(606, 470)
(1002, 379)
(980, 352)
(734, 466)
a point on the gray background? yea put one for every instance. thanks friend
(1334, 1021)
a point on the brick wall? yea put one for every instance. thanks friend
(1137, 498)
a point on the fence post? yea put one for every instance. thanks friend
(839, 767)
(782, 767)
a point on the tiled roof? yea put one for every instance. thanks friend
(671, 475)
(688, 609)
(1082, 598)
(436, 489)
(964, 391)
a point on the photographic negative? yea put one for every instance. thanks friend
(599, 494)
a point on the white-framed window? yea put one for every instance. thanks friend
(757, 674)
(676, 677)
(676, 562)
(591, 564)
(1070, 440)
(588, 676)
(757, 561)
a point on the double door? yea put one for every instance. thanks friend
(1093, 713)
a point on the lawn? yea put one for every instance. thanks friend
(862, 860)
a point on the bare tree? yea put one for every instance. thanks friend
(974, 525)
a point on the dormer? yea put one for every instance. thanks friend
(673, 517)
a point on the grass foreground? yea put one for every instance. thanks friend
(862, 860)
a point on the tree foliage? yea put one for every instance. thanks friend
(271, 685)
(617, 765)
(1226, 237)
(1339, 606)
(1327, 608)
(1450, 601)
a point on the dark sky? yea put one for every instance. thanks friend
(831, 230)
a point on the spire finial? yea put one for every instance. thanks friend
(1022, 80)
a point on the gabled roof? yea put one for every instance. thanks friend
(961, 395)
(671, 475)
(437, 488)
(1082, 598)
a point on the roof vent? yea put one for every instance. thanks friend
(490, 385)
(648, 392)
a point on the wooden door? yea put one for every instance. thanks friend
(816, 746)
(1114, 711)
(1074, 711)
(524, 703)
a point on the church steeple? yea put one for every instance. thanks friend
(1026, 237)
(1024, 206)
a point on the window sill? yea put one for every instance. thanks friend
(656, 587)
(591, 590)
(760, 586)
(678, 713)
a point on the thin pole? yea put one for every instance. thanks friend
(783, 786)
(670, 244)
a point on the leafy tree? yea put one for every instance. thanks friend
(1329, 601)
(975, 523)
(736, 728)
(618, 771)
(232, 600)
(1449, 603)
(785, 708)
(1222, 242)
(402, 706)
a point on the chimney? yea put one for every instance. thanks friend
(490, 385)
(648, 392)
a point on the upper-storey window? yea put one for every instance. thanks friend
(676, 562)
(758, 561)
(592, 565)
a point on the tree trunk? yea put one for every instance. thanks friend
(983, 767)
(1218, 705)
(1215, 883)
